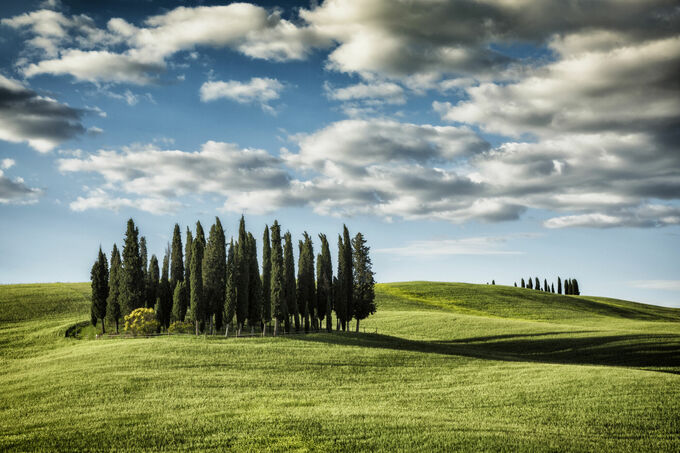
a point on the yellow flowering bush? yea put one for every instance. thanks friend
(181, 327)
(141, 321)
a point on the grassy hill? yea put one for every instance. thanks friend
(440, 367)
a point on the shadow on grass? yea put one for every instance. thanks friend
(652, 352)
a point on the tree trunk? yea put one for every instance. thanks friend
(103, 331)
(226, 331)
(196, 323)
(264, 329)
(116, 325)
(276, 326)
(240, 326)
(357, 326)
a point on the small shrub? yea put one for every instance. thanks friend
(181, 327)
(141, 321)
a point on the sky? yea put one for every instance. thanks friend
(471, 140)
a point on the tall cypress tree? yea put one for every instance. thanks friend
(277, 290)
(348, 274)
(215, 274)
(545, 285)
(305, 283)
(143, 257)
(197, 309)
(537, 284)
(324, 283)
(339, 295)
(179, 298)
(242, 275)
(164, 300)
(552, 288)
(230, 309)
(364, 281)
(188, 245)
(153, 280)
(523, 284)
(254, 286)
(530, 283)
(575, 289)
(567, 289)
(115, 281)
(132, 288)
(266, 279)
(100, 288)
(559, 285)
(176, 264)
(290, 285)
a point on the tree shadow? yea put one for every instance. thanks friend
(651, 352)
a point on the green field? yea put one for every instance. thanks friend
(452, 367)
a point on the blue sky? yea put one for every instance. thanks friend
(467, 140)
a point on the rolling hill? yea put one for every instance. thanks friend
(440, 367)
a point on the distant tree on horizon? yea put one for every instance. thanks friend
(545, 285)
(530, 283)
(113, 299)
(523, 285)
(537, 284)
(559, 285)
(575, 289)
(100, 288)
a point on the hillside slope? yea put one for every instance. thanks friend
(439, 367)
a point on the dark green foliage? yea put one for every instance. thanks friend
(537, 284)
(113, 300)
(254, 285)
(530, 283)
(132, 288)
(266, 277)
(197, 309)
(348, 274)
(324, 283)
(306, 291)
(165, 294)
(575, 289)
(231, 285)
(515, 284)
(215, 274)
(493, 282)
(242, 275)
(152, 280)
(363, 290)
(559, 285)
(278, 297)
(339, 298)
(290, 285)
(545, 285)
(567, 287)
(187, 265)
(176, 264)
(100, 288)
(143, 257)
(552, 288)
(179, 297)
(523, 284)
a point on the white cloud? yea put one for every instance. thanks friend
(99, 199)
(257, 90)
(387, 92)
(643, 216)
(7, 163)
(667, 285)
(484, 245)
(15, 191)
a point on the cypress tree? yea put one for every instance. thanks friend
(363, 280)
(537, 285)
(552, 288)
(132, 288)
(575, 289)
(187, 266)
(266, 279)
(215, 274)
(545, 285)
(242, 275)
(153, 280)
(324, 282)
(306, 297)
(340, 300)
(197, 310)
(176, 264)
(115, 276)
(348, 275)
(179, 298)
(254, 286)
(530, 283)
(277, 289)
(165, 294)
(559, 286)
(231, 286)
(145, 273)
(336, 293)
(523, 285)
(290, 285)
(100, 289)
(515, 284)
(567, 289)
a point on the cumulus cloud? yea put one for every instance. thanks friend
(7, 163)
(40, 121)
(257, 90)
(387, 92)
(100, 199)
(15, 191)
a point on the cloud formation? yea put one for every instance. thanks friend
(15, 191)
(257, 90)
(40, 121)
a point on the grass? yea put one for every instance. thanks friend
(451, 367)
